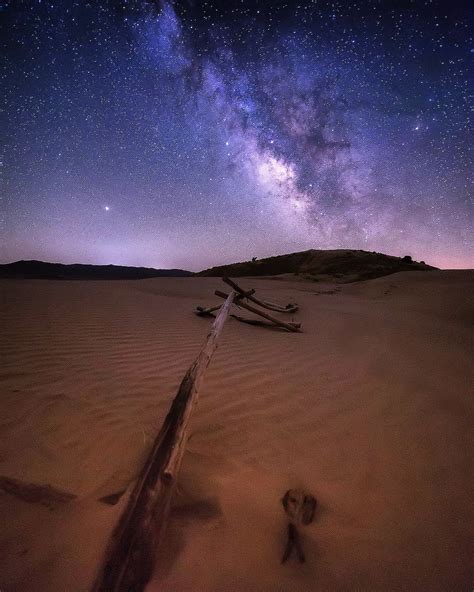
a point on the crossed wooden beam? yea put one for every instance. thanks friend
(242, 300)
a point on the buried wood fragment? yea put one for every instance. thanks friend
(207, 312)
(299, 507)
(293, 542)
(46, 495)
(113, 498)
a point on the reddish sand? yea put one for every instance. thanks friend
(369, 409)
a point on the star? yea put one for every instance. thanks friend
(297, 131)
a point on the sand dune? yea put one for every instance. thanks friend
(368, 409)
(339, 265)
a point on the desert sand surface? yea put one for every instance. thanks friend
(369, 409)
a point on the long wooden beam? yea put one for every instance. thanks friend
(130, 558)
(295, 327)
(263, 303)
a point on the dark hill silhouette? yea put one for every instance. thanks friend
(59, 271)
(341, 265)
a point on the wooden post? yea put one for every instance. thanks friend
(130, 557)
(295, 327)
(263, 303)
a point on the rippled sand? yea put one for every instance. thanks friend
(368, 408)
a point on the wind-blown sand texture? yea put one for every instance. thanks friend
(368, 409)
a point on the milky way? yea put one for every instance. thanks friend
(191, 134)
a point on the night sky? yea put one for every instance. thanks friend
(197, 133)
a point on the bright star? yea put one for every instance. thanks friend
(106, 208)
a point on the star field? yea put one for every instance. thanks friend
(196, 133)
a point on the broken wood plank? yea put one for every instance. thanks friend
(294, 327)
(263, 303)
(130, 557)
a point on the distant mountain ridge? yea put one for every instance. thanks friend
(78, 271)
(340, 265)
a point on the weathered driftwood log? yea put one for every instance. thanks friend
(263, 303)
(295, 327)
(130, 557)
